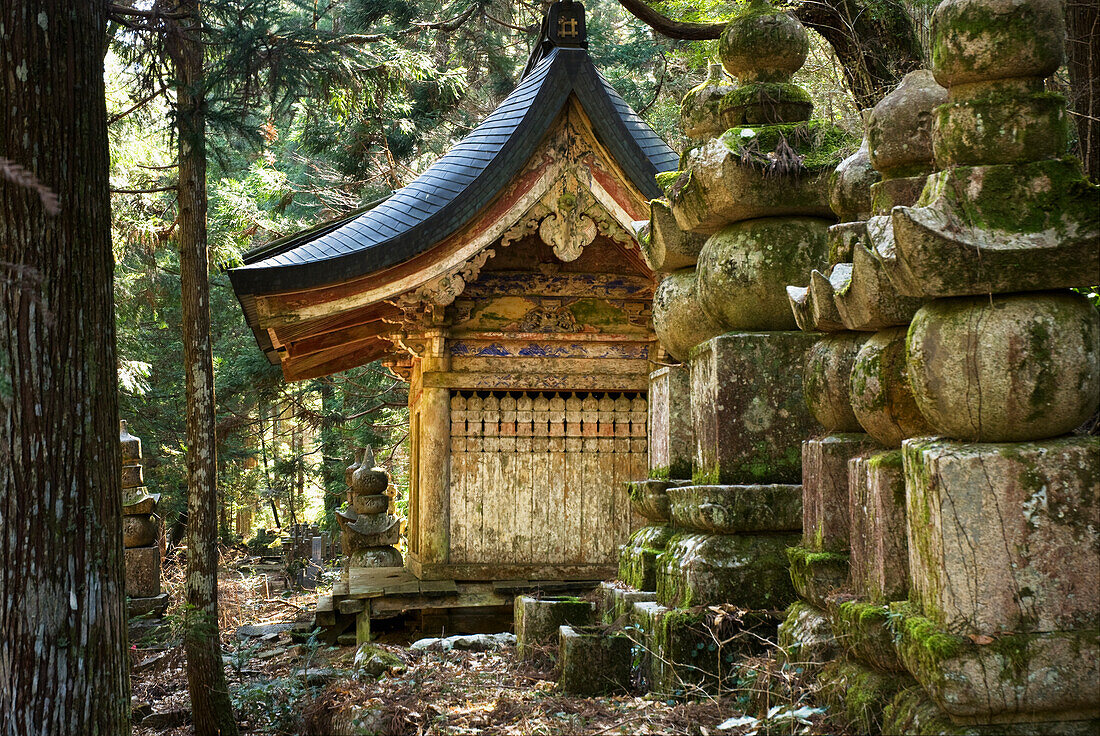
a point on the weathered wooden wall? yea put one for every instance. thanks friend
(539, 478)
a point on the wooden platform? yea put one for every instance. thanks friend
(389, 592)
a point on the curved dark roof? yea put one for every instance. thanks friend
(461, 183)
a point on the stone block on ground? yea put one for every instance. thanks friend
(537, 621)
(142, 572)
(671, 442)
(746, 570)
(734, 509)
(617, 601)
(748, 409)
(638, 557)
(1005, 537)
(879, 562)
(698, 648)
(151, 606)
(825, 489)
(593, 661)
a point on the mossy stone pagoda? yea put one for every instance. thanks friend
(506, 285)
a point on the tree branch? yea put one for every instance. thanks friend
(672, 28)
(444, 25)
(140, 103)
(153, 190)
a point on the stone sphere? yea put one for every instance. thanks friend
(375, 557)
(899, 128)
(826, 380)
(678, 317)
(985, 40)
(763, 44)
(850, 185)
(744, 269)
(699, 111)
(367, 480)
(881, 398)
(138, 531)
(1008, 368)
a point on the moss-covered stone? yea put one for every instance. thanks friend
(850, 186)
(1012, 677)
(669, 248)
(903, 191)
(1005, 537)
(722, 186)
(733, 509)
(899, 128)
(857, 696)
(805, 637)
(866, 632)
(819, 145)
(765, 103)
(744, 268)
(881, 396)
(870, 301)
(913, 713)
(671, 435)
(876, 502)
(593, 661)
(700, 117)
(1006, 368)
(825, 513)
(678, 317)
(688, 649)
(984, 40)
(747, 570)
(537, 621)
(1000, 130)
(763, 44)
(748, 411)
(1003, 228)
(817, 575)
(638, 557)
(826, 380)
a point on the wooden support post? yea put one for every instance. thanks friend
(362, 625)
(435, 452)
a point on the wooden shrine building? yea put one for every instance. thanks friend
(506, 286)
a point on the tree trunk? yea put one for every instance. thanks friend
(1083, 59)
(211, 708)
(64, 667)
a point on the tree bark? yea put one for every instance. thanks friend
(211, 708)
(1083, 60)
(64, 667)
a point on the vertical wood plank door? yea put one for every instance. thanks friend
(540, 477)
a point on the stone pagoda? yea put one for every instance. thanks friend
(368, 530)
(950, 565)
(139, 531)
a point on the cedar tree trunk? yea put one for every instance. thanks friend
(64, 667)
(211, 708)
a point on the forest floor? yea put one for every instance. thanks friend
(284, 684)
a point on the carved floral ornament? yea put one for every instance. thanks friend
(568, 217)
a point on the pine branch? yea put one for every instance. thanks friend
(446, 26)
